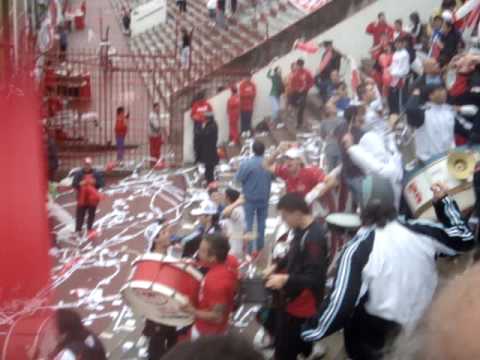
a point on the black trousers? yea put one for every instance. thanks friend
(210, 173)
(300, 99)
(80, 217)
(233, 6)
(397, 98)
(162, 339)
(246, 121)
(367, 336)
(288, 343)
(197, 140)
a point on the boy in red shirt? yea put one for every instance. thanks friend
(217, 292)
(200, 107)
(248, 92)
(302, 82)
(379, 28)
(121, 129)
(233, 110)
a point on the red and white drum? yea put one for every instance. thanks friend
(159, 286)
(419, 181)
(30, 336)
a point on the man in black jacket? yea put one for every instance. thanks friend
(300, 278)
(208, 152)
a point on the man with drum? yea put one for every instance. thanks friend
(218, 288)
(299, 278)
(387, 275)
(162, 337)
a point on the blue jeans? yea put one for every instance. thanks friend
(261, 210)
(120, 147)
(275, 100)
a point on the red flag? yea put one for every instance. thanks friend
(24, 260)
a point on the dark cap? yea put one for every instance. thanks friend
(377, 189)
(428, 90)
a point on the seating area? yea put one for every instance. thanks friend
(158, 48)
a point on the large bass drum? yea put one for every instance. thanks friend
(159, 286)
(441, 169)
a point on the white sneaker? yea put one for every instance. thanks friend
(319, 351)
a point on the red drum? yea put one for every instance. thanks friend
(31, 336)
(159, 286)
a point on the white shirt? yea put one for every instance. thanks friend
(436, 135)
(400, 66)
(234, 228)
(211, 4)
(156, 124)
(401, 274)
(380, 156)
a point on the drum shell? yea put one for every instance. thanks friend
(253, 291)
(157, 289)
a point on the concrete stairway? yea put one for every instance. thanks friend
(158, 49)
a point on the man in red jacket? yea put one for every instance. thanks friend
(87, 181)
(233, 111)
(379, 28)
(302, 82)
(121, 129)
(200, 107)
(248, 92)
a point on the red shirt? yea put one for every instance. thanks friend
(248, 91)
(121, 126)
(304, 182)
(233, 108)
(199, 110)
(304, 306)
(302, 80)
(218, 288)
(377, 29)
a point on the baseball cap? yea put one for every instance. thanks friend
(448, 16)
(88, 161)
(206, 207)
(295, 153)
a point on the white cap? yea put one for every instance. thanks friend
(207, 207)
(447, 16)
(88, 160)
(294, 153)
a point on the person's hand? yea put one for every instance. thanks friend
(416, 92)
(347, 141)
(269, 270)
(248, 237)
(188, 308)
(277, 281)
(284, 146)
(439, 190)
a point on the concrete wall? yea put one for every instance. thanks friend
(348, 36)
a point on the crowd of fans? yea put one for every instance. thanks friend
(425, 75)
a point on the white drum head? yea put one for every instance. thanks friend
(344, 220)
(157, 303)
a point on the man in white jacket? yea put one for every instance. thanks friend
(377, 155)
